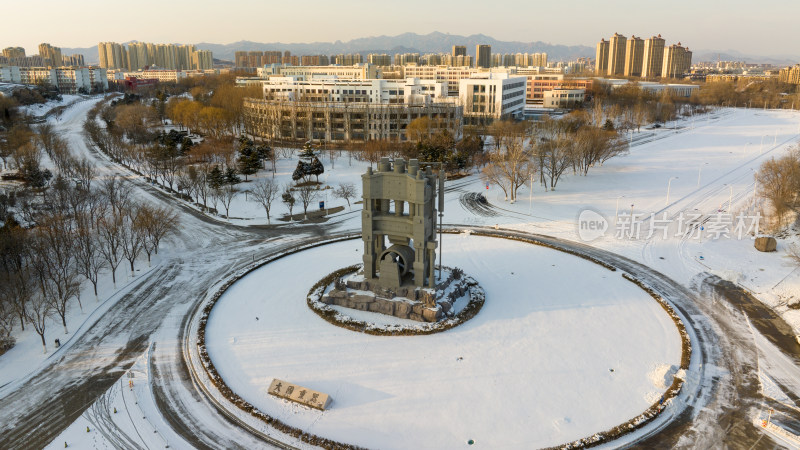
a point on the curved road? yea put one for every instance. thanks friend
(722, 393)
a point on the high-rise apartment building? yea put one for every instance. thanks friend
(616, 55)
(51, 53)
(14, 52)
(459, 50)
(240, 59)
(677, 61)
(653, 57)
(379, 59)
(401, 59)
(202, 60)
(139, 55)
(483, 56)
(601, 58)
(634, 56)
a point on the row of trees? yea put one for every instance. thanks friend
(547, 148)
(80, 232)
(778, 182)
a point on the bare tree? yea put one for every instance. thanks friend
(133, 235)
(306, 193)
(38, 311)
(226, 194)
(265, 193)
(54, 261)
(158, 223)
(345, 191)
(88, 255)
(510, 159)
(109, 228)
(288, 198)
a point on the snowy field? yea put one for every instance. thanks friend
(562, 349)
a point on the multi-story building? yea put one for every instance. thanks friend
(202, 60)
(314, 60)
(67, 80)
(344, 122)
(653, 58)
(379, 59)
(348, 59)
(601, 58)
(539, 84)
(634, 57)
(450, 74)
(240, 59)
(410, 91)
(401, 59)
(677, 61)
(790, 75)
(14, 52)
(483, 56)
(457, 61)
(72, 60)
(162, 75)
(139, 55)
(112, 55)
(335, 110)
(491, 96)
(459, 50)
(564, 98)
(616, 55)
(53, 54)
(353, 72)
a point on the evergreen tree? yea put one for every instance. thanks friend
(316, 168)
(231, 177)
(248, 163)
(216, 178)
(302, 171)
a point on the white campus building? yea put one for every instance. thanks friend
(411, 91)
(491, 96)
(361, 71)
(67, 80)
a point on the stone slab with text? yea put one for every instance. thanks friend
(299, 394)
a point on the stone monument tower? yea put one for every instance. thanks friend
(399, 207)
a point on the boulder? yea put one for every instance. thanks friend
(363, 298)
(431, 315)
(402, 309)
(415, 316)
(766, 244)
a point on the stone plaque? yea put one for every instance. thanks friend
(299, 394)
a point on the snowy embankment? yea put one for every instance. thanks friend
(563, 348)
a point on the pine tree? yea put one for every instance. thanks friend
(302, 171)
(231, 177)
(316, 168)
(215, 178)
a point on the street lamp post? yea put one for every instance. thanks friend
(669, 184)
(616, 212)
(530, 197)
(699, 172)
(730, 199)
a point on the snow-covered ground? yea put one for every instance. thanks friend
(720, 149)
(126, 416)
(27, 354)
(562, 349)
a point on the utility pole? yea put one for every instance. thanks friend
(441, 214)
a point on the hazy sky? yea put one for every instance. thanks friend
(766, 27)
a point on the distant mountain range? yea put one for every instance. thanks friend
(436, 42)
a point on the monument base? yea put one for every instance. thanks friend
(411, 302)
